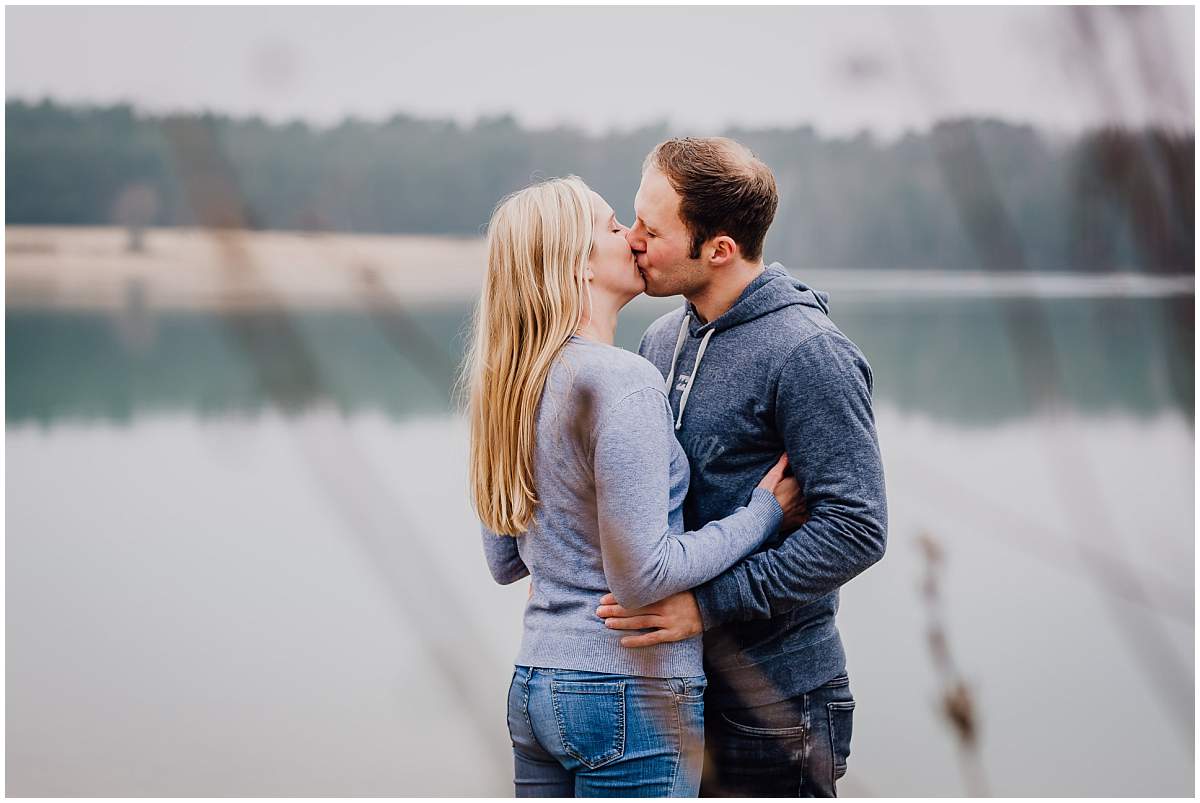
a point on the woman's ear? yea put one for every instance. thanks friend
(588, 275)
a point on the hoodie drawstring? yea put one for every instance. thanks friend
(774, 289)
(683, 326)
(687, 388)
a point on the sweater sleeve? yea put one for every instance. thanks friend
(645, 552)
(823, 411)
(502, 557)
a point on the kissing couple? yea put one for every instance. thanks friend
(687, 514)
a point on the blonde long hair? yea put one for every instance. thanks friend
(538, 242)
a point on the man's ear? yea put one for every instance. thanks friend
(722, 250)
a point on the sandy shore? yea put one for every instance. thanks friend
(91, 267)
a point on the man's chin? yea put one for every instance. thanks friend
(658, 292)
(654, 289)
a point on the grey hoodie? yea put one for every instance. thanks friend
(774, 373)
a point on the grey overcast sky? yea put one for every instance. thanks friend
(841, 70)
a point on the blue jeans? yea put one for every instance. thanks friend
(794, 748)
(587, 734)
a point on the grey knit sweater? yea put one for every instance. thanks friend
(611, 480)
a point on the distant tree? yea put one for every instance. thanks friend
(136, 208)
(1106, 200)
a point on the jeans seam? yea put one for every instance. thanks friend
(679, 732)
(807, 742)
(832, 745)
(508, 719)
(525, 708)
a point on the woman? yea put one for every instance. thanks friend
(578, 480)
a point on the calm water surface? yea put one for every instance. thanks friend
(241, 559)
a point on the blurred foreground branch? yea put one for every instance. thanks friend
(958, 705)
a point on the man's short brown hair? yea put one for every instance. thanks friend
(723, 189)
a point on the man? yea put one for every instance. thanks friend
(754, 366)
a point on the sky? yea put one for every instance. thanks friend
(842, 70)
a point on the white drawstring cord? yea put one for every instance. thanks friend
(683, 327)
(687, 390)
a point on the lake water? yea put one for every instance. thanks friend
(241, 559)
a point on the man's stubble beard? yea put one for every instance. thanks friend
(677, 284)
(654, 292)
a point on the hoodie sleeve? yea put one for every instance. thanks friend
(645, 553)
(823, 411)
(503, 560)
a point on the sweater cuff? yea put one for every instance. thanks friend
(767, 511)
(711, 595)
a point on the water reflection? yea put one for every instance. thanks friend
(949, 358)
(222, 609)
(242, 560)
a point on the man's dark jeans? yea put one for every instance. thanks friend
(794, 748)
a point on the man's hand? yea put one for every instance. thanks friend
(787, 494)
(675, 618)
(795, 511)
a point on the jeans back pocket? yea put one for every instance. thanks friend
(591, 719)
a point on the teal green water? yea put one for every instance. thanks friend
(952, 359)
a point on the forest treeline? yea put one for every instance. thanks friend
(966, 194)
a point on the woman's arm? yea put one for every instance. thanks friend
(502, 557)
(645, 558)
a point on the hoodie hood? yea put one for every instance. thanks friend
(774, 289)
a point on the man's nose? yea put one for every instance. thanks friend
(635, 242)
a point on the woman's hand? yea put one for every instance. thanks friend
(787, 494)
